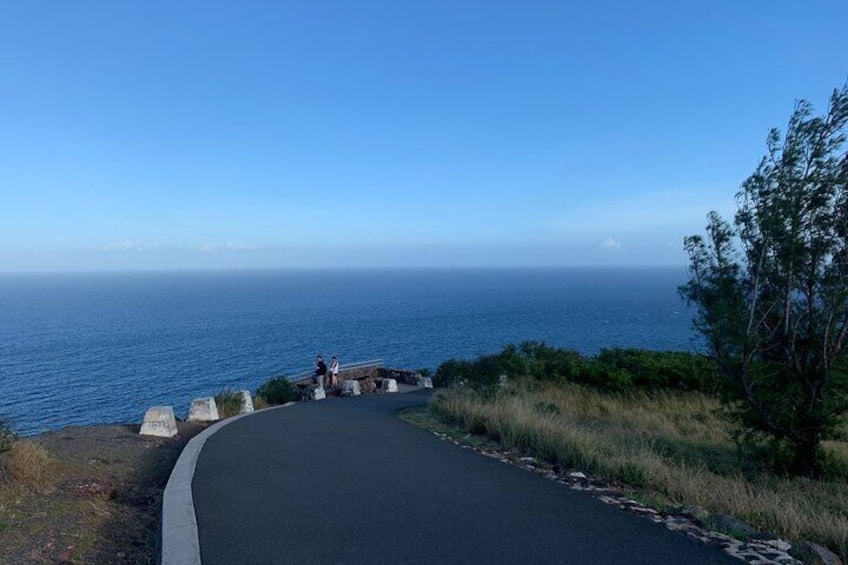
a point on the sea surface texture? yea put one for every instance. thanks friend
(88, 348)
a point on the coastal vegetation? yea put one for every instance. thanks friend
(89, 494)
(7, 436)
(664, 434)
(756, 427)
(771, 290)
(612, 370)
(229, 403)
(24, 464)
(277, 390)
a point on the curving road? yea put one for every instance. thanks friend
(344, 481)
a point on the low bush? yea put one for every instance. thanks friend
(23, 463)
(7, 436)
(229, 403)
(543, 362)
(451, 372)
(661, 369)
(26, 464)
(612, 370)
(278, 390)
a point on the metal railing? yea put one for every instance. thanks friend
(303, 375)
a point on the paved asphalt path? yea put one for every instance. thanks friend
(344, 481)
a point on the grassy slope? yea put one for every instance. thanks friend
(673, 444)
(87, 495)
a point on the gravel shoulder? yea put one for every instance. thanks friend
(101, 503)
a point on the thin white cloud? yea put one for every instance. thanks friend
(611, 243)
(131, 246)
(150, 247)
(223, 247)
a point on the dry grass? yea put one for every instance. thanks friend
(26, 465)
(229, 403)
(674, 444)
(86, 495)
(259, 403)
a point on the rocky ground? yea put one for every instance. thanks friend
(101, 503)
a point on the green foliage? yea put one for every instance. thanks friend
(544, 363)
(631, 474)
(482, 374)
(424, 372)
(451, 372)
(660, 369)
(772, 289)
(229, 403)
(833, 466)
(7, 436)
(612, 370)
(278, 390)
(547, 408)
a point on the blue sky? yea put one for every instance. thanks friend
(220, 134)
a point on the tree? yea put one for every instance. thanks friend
(771, 290)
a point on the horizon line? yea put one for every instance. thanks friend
(342, 268)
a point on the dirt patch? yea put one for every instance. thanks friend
(101, 503)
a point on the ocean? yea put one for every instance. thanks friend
(91, 348)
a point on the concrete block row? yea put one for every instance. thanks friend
(160, 420)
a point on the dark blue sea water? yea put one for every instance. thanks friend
(80, 349)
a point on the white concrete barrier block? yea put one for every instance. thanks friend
(159, 421)
(351, 388)
(319, 393)
(425, 382)
(203, 410)
(389, 385)
(246, 402)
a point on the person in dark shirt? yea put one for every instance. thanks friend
(320, 371)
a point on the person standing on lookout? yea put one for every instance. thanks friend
(320, 371)
(334, 372)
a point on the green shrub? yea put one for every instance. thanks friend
(652, 370)
(486, 372)
(834, 465)
(482, 374)
(452, 372)
(278, 390)
(545, 363)
(7, 436)
(547, 408)
(605, 378)
(229, 403)
(612, 370)
(631, 474)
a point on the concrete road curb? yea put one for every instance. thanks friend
(180, 544)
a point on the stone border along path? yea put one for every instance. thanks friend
(179, 543)
(757, 552)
